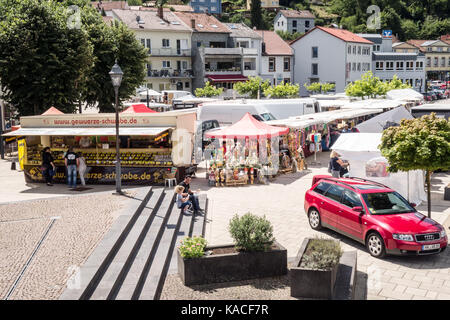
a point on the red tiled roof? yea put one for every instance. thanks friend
(297, 14)
(345, 35)
(342, 34)
(203, 22)
(445, 38)
(417, 43)
(275, 45)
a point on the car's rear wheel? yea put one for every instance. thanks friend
(314, 219)
(375, 245)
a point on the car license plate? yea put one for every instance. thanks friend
(431, 246)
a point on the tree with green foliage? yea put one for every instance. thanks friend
(319, 87)
(251, 86)
(51, 57)
(370, 86)
(43, 62)
(256, 14)
(282, 90)
(208, 91)
(288, 36)
(418, 144)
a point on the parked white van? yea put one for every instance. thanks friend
(229, 112)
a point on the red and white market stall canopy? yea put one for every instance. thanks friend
(249, 127)
(52, 110)
(138, 108)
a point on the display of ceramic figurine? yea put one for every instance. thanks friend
(217, 176)
(222, 177)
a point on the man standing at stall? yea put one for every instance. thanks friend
(192, 197)
(72, 162)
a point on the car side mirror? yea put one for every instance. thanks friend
(358, 209)
(413, 204)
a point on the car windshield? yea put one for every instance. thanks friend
(387, 203)
(267, 116)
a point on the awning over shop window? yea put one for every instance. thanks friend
(226, 77)
(123, 131)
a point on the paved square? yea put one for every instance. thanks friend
(281, 201)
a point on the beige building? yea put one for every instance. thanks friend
(437, 57)
(168, 41)
(265, 4)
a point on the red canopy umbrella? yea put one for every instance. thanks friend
(138, 108)
(249, 127)
(52, 110)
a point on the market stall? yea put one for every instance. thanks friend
(361, 151)
(244, 151)
(153, 146)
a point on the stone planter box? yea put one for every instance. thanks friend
(235, 266)
(310, 283)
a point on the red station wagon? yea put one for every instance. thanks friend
(374, 215)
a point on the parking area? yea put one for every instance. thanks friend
(281, 201)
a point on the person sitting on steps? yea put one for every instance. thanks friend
(183, 202)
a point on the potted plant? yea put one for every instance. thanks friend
(254, 254)
(314, 270)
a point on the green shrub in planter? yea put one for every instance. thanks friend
(321, 254)
(251, 232)
(192, 247)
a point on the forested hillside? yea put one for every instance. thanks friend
(408, 19)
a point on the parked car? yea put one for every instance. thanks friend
(374, 215)
(427, 96)
(440, 93)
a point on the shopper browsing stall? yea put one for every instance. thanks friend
(48, 165)
(72, 162)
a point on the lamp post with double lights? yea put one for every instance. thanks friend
(116, 75)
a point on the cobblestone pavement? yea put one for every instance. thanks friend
(424, 277)
(81, 222)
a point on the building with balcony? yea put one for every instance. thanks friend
(214, 57)
(168, 42)
(437, 55)
(330, 55)
(250, 41)
(407, 63)
(294, 21)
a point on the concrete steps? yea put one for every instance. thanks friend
(133, 259)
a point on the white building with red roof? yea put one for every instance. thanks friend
(276, 58)
(330, 55)
(294, 21)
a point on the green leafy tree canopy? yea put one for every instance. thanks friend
(251, 86)
(282, 90)
(208, 91)
(418, 144)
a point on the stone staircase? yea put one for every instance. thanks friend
(135, 256)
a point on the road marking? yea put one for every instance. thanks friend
(27, 264)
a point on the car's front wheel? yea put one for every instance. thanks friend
(314, 219)
(375, 245)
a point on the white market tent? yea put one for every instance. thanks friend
(378, 123)
(373, 104)
(361, 151)
(151, 93)
(294, 123)
(404, 94)
(340, 114)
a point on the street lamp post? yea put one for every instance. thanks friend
(116, 79)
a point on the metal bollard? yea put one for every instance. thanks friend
(13, 165)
